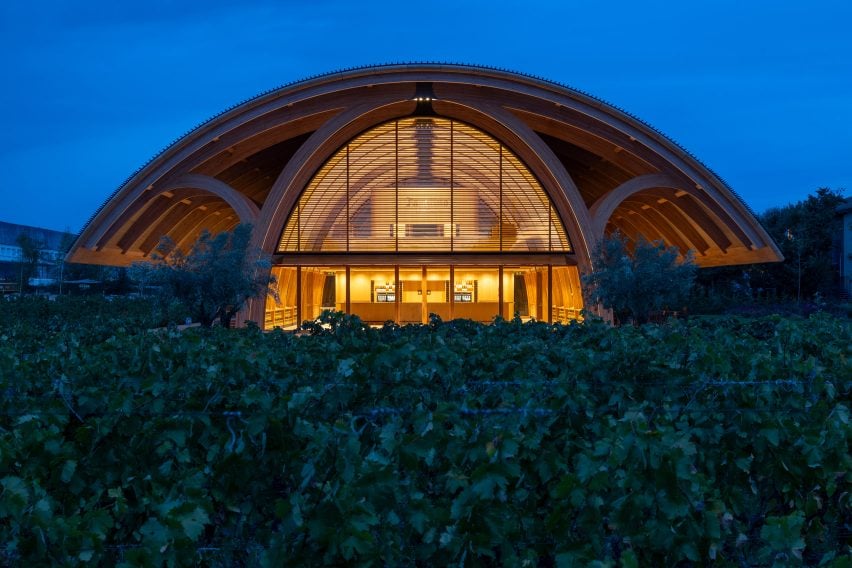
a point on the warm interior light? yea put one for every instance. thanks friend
(424, 184)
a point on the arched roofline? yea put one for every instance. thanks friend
(244, 207)
(191, 184)
(376, 71)
(497, 123)
(603, 208)
(394, 82)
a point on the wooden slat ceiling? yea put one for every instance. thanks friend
(497, 204)
(255, 174)
(593, 175)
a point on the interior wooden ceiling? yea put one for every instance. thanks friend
(594, 175)
(255, 174)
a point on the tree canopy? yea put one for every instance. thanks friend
(636, 283)
(806, 233)
(215, 277)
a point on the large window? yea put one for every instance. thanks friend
(408, 293)
(424, 184)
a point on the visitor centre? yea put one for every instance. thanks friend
(398, 191)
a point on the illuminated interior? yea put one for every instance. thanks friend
(368, 185)
(410, 294)
(424, 184)
(495, 245)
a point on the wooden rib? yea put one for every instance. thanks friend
(170, 210)
(728, 221)
(198, 222)
(143, 212)
(674, 216)
(661, 224)
(637, 226)
(165, 225)
(685, 226)
(186, 236)
(694, 211)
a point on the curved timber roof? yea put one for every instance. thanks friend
(603, 169)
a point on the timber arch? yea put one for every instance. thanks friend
(471, 171)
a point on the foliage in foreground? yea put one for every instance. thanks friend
(718, 442)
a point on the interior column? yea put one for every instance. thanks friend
(500, 305)
(348, 306)
(452, 291)
(549, 293)
(424, 290)
(397, 293)
(298, 296)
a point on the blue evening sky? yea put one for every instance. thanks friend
(760, 91)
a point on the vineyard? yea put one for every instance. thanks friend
(708, 442)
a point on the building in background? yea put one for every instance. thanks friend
(845, 249)
(396, 191)
(48, 245)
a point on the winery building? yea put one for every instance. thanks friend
(396, 191)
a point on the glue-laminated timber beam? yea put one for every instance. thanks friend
(204, 218)
(178, 214)
(652, 218)
(694, 211)
(163, 217)
(671, 215)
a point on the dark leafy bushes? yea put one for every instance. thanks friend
(717, 442)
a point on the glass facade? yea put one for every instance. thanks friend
(373, 293)
(411, 293)
(432, 186)
(424, 184)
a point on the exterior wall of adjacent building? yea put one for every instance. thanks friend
(845, 212)
(52, 244)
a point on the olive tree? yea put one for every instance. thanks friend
(215, 277)
(635, 284)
